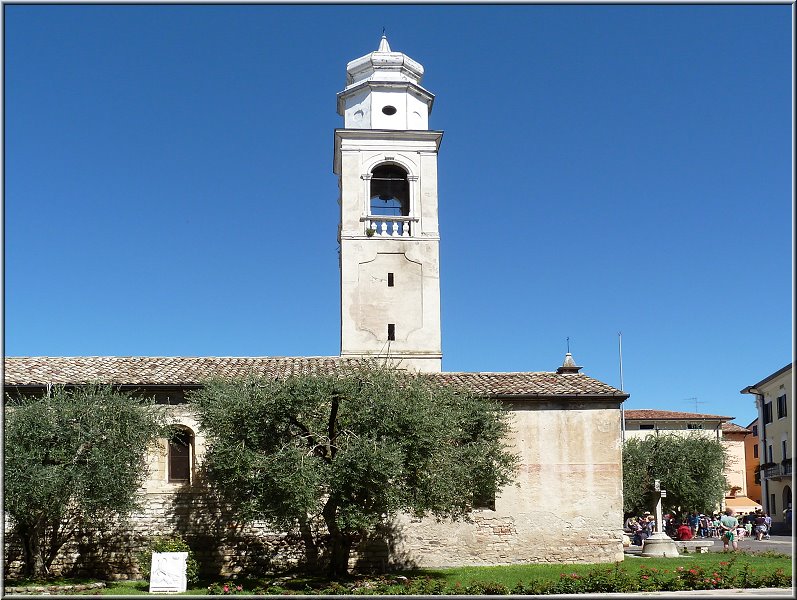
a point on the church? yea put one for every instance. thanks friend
(566, 504)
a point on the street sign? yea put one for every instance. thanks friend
(657, 484)
(663, 493)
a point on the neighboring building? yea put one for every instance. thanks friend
(737, 496)
(774, 398)
(646, 422)
(752, 464)
(641, 423)
(566, 505)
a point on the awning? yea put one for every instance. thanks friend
(742, 504)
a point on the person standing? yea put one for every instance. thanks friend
(768, 522)
(728, 524)
(694, 519)
(760, 525)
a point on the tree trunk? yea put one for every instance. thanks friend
(32, 554)
(310, 546)
(340, 543)
(339, 555)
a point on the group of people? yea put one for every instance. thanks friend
(727, 526)
(640, 528)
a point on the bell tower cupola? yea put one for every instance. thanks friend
(383, 91)
(386, 163)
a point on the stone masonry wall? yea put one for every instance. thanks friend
(565, 507)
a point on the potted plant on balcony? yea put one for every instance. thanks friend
(370, 232)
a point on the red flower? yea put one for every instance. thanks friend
(226, 588)
(645, 577)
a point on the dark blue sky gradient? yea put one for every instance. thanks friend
(169, 186)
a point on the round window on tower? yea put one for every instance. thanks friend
(389, 110)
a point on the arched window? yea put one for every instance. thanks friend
(390, 191)
(181, 446)
(390, 197)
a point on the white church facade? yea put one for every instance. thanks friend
(566, 504)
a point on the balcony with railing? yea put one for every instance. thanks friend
(777, 471)
(388, 225)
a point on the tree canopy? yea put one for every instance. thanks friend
(74, 458)
(350, 450)
(690, 469)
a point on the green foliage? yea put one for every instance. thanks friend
(228, 588)
(74, 459)
(690, 469)
(352, 449)
(172, 543)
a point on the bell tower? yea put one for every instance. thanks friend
(386, 163)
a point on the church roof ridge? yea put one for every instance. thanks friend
(189, 371)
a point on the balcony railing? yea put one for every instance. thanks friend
(777, 471)
(388, 226)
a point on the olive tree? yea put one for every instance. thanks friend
(74, 458)
(350, 451)
(690, 469)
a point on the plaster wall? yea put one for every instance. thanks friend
(751, 446)
(412, 304)
(735, 465)
(566, 505)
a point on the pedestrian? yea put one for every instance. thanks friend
(694, 519)
(768, 521)
(760, 525)
(684, 532)
(729, 523)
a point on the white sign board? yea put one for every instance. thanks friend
(167, 574)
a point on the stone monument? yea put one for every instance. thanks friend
(168, 572)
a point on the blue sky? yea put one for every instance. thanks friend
(169, 186)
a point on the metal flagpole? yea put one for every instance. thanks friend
(622, 406)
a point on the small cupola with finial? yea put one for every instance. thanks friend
(383, 91)
(569, 365)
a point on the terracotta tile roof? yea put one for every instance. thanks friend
(734, 428)
(669, 415)
(531, 384)
(182, 370)
(155, 370)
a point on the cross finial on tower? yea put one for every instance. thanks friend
(568, 345)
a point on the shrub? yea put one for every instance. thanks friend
(224, 589)
(172, 543)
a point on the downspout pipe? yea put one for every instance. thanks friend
(762, 457)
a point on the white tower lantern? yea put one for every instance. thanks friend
(383, 91)
(386, 162)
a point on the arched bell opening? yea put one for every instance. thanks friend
(390, 197)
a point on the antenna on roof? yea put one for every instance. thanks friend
(695, 400)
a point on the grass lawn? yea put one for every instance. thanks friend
(511, 575)
(507, 577)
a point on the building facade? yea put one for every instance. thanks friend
(774, 398)
(566, 503)
(646, 422)
(752, 463)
